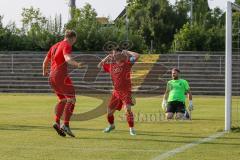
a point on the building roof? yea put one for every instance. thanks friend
(103, 20)
(122, 14)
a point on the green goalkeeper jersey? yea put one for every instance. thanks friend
(177, 90)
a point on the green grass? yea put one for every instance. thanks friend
(26, 133)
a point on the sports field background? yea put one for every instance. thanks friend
(26, 133)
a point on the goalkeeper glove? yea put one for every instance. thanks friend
(190, 107)
(164, 104)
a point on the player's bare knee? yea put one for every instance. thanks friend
(128, 109)
(71, 100)
(110, 112)
(179, 116)
(63, 100)
(169, 116)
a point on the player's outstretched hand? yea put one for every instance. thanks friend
(164, 105)
(82, 65)
(190, 107)
(45, 73)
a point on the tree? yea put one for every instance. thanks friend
(200, 10)
(181, 9)
(40, 32)
(198, 38)
(206, 33)
(157, 21)
(32, 18)
(92, 35)
(237, 2)
(84, 22)
(1, 24)
(189, 38)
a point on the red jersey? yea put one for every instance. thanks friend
(121, 75)
(56, 54)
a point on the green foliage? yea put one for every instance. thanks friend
(10, 37)
(37, 32)
(92, 35)
(189, 38)
(198, 38)
(84, 22)
(33, 19)
(207, 34)
(153, 23)
(200, 11)
(157, 21)
(41, 32)
(237, 2)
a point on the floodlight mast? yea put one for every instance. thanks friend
(72, 6)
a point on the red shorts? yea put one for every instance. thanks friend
(62, 86)
(119, 100)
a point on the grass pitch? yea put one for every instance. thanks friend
(26, 133)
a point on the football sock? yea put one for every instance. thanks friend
(69, 107)
(110, 119)
(59, 111)
(130, 119)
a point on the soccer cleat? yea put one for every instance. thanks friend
(67, 130)
(109, 129)
(132, 132)
(59, 130)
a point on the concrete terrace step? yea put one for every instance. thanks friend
(107, 76)
(205, 74)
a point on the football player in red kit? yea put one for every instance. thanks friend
(59, 57)
(118, 64)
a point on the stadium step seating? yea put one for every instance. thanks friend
(22, 72)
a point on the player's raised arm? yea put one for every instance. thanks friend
(133, 56)
(103, 61)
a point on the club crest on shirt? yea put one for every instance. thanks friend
(117, 70)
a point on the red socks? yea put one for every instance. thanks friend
(69, 107)
(130, 119)
(129, 116)
(110, 119)
(59, 111)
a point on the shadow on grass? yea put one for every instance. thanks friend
(210, 120)
(137, 139)
(235, 129)
(167, 135)
(127, 131)
(22, 127)
(133, 139)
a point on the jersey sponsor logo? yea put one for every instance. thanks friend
(117, 70)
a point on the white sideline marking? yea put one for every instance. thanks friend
(187, 146)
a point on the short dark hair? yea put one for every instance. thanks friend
(70, 34)
(175, 69)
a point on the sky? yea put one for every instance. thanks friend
(11, 9)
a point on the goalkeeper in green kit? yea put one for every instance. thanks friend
(174, 97)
